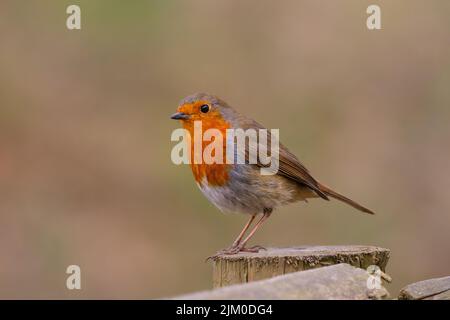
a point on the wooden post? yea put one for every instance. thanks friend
(248, 267)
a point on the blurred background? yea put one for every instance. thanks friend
(85, 170)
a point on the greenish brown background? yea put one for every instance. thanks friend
(85, 170)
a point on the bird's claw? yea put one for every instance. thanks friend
(256, 248)
(234, 250)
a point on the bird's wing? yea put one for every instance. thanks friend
(289, 166)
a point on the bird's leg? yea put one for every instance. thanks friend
(244, 230)
(265, 216)
(240, 247)
(236, 242)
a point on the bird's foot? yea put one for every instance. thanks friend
(256, 248)
(234, 249)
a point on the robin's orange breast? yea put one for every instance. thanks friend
(215, 174)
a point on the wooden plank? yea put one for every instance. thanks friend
(340, 281)
(432, 289)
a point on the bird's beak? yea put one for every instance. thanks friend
(180, 116)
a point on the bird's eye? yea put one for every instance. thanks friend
(204, 108)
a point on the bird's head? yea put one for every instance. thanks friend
(208, 109)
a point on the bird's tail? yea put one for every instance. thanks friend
(340, 197)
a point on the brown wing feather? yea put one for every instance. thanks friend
(292, 168)
(289, 166)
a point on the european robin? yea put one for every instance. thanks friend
(240, 187)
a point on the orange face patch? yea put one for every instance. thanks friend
(215, 174)
(195, 113)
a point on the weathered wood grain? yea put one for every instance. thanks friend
(432, 289)
(340, 282)
(248, 267)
